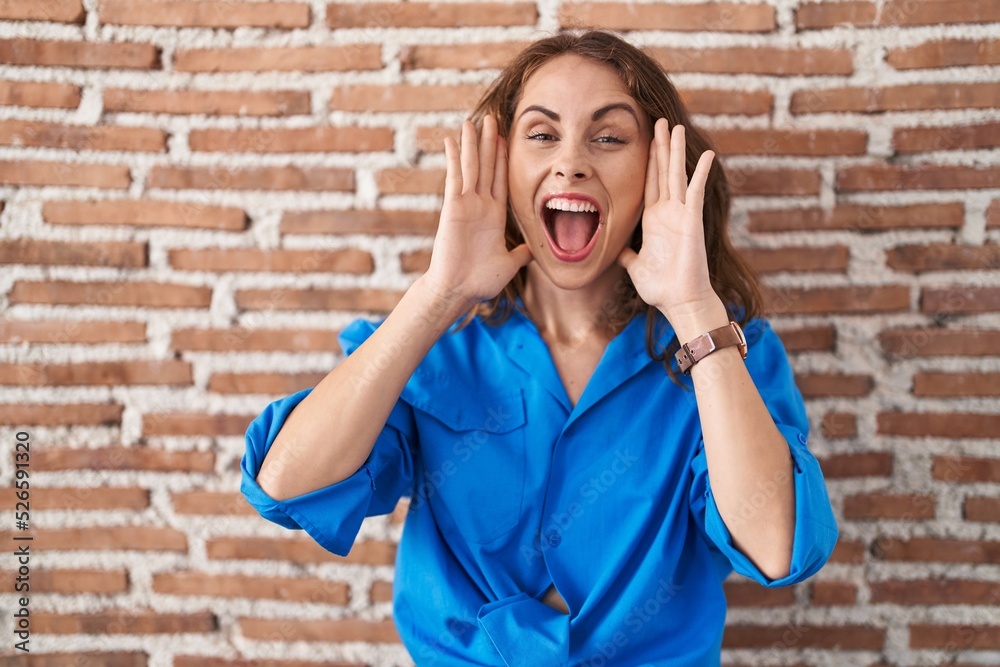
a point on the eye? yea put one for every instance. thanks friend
(540, 136)
(609, 139)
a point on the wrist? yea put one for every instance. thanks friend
(695, 318)
(438, 304)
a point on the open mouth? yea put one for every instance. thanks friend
(571, 222)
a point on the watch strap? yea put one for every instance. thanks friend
(700, 347)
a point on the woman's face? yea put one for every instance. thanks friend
(577, 152)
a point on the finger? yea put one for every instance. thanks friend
(678, 176)
(487, 155)
(663, 156)
(696, 191)
(453, 170)
(521, 255)
(652, 192)
(626, 257)
(470, 157)
(499, 188)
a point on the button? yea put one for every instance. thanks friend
(554, 538)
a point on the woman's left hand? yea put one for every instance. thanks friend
(670, 271)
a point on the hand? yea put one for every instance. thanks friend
(670, 271)
(470, 259)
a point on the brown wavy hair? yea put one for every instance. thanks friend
(649, 85)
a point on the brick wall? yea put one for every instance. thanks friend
(198, 194)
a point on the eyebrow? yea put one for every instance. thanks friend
(597, 115)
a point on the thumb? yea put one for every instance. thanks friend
(627, 257)
(521, 255)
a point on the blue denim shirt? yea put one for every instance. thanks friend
(512, 488)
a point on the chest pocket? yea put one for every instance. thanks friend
(473, 450)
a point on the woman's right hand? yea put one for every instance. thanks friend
(470, 260)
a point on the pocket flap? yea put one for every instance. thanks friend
(492, 414)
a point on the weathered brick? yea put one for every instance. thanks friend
(101, 293)
(939, 342)
(70, 582)
(415, 261)
(749, 181)
(221, 503)
(712, 101)
(82, 137)
(342, 630)
(124, 458)
(194, 424)
(227, 340)
(56, 11)
(978, 636)
(429, 14)
(208, 102)
(763, 142)
(76, 414)
(795, 636)
(959, 299)
(38, 173)
(859, 464)
(766, 60)
(939, 424)
(911, 592)
(848, 551)
(78, 659)
(120, 254)
(981, 509)
(380, 591)
(859, 217)
(901, 506)
(280, 59)
(405, 97)
(906, 97)
(833, 258)
(833, 593)
(751, 594)
(85, 55)
(813, 385)
(941, 384)
(297, 550)
(480, 55)
(360, 299)
(296, 140)
(97, 373)
(70, 332)
(321, 260)
(204, 13)
(38, 94)
(813, 15)
(312, 589)
(857, 299)
(110, 538)
(918, 258)
(281, 384)
(837, 425)
(144, 213)
(993, 214)
(375, 221)
(946, 53)
(967, 469)
(199, 661)
(868, 178)
(945, 137)
(707, 17)
(820, 338)
(318, 179)
(85, 498)
(121, 622)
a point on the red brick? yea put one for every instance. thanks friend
(848, 551)
(430, 14)
(709, 16)
(312, 589)
(69, 582)
(766, 60)
(109, 538)
(145, 213)
(981, 509)
(377, 222)
(295, 140)
(37, 94)
(405, 97)
(752, 594)
(484, 55)
(936, 549)
(821, 338)
(415, 261)
(124, 458)
(938, 342)
(945, 137)
(208, 102)
(946, 53)
(78, 659)
(66, 332)
(795, 636)
(935, 591)
(919, 258)
(297, 550)
(967, 469)
(833, 593)
(993, 215)
(859, 217)
(76, 414)
(930, 383)
(359, 299)
(139, 294)
(322, 260)
(381, 591)
(82, 137)
(199, 661)
(263, 383)
(906, 97)
(280, 59)
(97, 373)
(194, 424)
(84, 498)
(761, 142)
(860, 299)
(813, 385)
(868, 178)
(119, 254)
(711, 102)
(939, 424)
(894, 12)
(123, 622)
(860, 464)
(204, 13)
(239, 339)
(837, 425)
(57, 11)
(959, 299)
(342, 630)
(80, 55)
(951, 637)
(752, 181)
(219, 503)
(901, 506)
(833, 258)
(314, 179)
(37, 173)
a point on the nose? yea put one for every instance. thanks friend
(571, 163)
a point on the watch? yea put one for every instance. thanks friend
(695, 350)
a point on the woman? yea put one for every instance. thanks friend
(574, 499)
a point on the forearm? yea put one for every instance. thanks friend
(749, 465)
(332, 431)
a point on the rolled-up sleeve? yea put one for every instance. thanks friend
(815, 525)
(333, 515)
